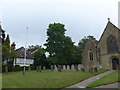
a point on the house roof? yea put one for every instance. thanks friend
(21, 52)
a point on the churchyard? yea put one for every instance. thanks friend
(46, 78)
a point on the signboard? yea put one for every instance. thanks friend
(21, 61)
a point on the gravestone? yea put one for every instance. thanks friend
(55, 68)
(82, 69)
(59, 68)
(68, 67)
(90, 70)
(73, 67)
(52, 67)
(6, 69)
(29, 68)
(79, 67)
(76, 67)
(44, 68)
(39, 67)
(64, 67)
(95, 69)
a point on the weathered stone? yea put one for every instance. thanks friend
(73, 67)
(59, 68)
(6, 69)
(82, 69)
(52, 68)
(79, 67)
(90, 70)
(44, 68)
(68, 67)
(29, 68)
(76, 67)
(64, 67)
(55, 68)
(95, 69)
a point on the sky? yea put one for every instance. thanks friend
(81, 18)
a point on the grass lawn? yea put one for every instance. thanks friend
(110, 78)
(44, 79)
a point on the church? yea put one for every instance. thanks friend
(104, 53)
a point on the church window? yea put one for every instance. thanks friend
(112, 46)
(90, 55)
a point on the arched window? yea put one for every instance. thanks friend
(90, 55)
(112, 46)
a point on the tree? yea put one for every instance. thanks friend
(55, 41)
(6, 49)
(39, 57)
(59, 46)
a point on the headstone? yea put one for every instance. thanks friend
(82, 69)
(73, 67)
(64, 67)
(68, 67)
(79, 67)
(90, 70)
(59, 68)
(95, 69)
(6, 69)
(52, 67)
(29, 68)
(44, 68)
(76, 67)
(55, 68)
(39, 68)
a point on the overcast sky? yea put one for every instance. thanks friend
(81, 18)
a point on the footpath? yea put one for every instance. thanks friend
(86, 82)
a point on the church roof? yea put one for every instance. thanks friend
(109, 24)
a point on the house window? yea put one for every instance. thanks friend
(112, 46)
(90, 55)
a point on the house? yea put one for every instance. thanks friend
(21, 59)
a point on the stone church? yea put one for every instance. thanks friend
(104, 53)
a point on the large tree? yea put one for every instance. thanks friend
(58, 45)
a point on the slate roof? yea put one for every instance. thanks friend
(21, 53)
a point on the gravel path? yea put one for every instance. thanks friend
(84, 83)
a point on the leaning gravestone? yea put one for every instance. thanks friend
(73, 67)
(64, 67)
(59, 68)
(55, 68)
(68, 67)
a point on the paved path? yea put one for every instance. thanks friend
(84, 83)
(113, 85)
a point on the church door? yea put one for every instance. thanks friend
(115, 63)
